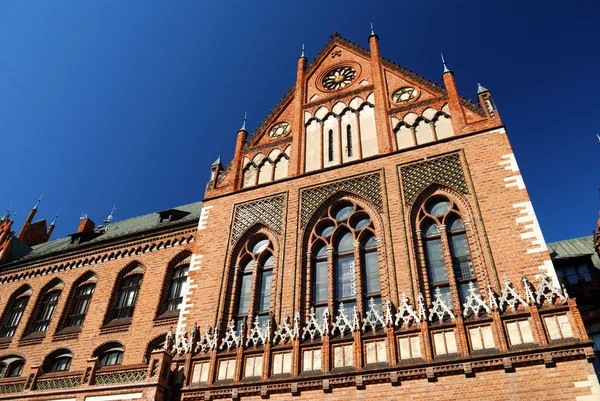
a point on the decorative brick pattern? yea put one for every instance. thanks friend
(367, 186)
(54, 384)
(446, 170)
(268, 211)
(120, 377)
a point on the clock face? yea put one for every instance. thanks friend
(279, 129)
(339, 78)
(405, 95)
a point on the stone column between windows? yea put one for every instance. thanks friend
(321, 152)
(254, 288)
(339, 135)
(308, 286)
(330, 282)
(433, 133)
(358, 135)
(234, 290)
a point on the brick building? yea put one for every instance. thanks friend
(373, 237)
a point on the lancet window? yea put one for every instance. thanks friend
(448, 266)
(253, 282)
(343, 261)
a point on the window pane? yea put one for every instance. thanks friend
(348, 309)
(584, 273)
(319, 313)
(461, 258)
(326, 230)
(455, 225)
(249, 266)
(345, 243)
(245, 294)
(572, 276)
(446, 296)
(435, 261)
(321, 251)
(371, 273)
(463, 291)
(265, 292)
(430, 230)
(343, 212)
(344, 277)
(361, 223)
(320, 287)
(437, 207)
(260, 246)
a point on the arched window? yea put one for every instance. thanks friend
(330, 143)
(109, 354)
(349, 140)
(11, 366)
(254, 271)
(128, 293)
(57, 361)
(14, 311)
(177, 285)
(445, 250)
(79, 300)
(344, 261)
(44, 309)
(125, 295)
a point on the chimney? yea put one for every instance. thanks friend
(86, 225)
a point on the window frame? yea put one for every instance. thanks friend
(425, 214)
(125, 284)
(343, 223)
(46, 310)
(179, 282)
(12, 309)
(75, 313)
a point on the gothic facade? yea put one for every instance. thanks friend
(372, 238)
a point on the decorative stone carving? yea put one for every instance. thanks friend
(313, 327)
(474, 302)
(547, 291)
(442, 170)
(421, 308)
(259, 335)
(267, 211)
(373, 318)
(285, 332)
(509, 297)
(492, 298)
(405, 313)
(439, 308)
(368, 186)
(232, 339)
(529, 296)
(389, 317)
(342, 322)
(207, 341)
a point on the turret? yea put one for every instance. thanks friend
(237, 161)
(458, 114)
(297, 151)
(486, 102)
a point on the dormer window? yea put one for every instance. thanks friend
(169, 215)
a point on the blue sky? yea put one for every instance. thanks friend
(132, 101)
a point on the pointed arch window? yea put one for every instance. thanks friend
(446, 251)
(14, 312)
(253, 282)
(330, 144)
(177, 285)
(344, 267)
(349, 140)
(124, 296)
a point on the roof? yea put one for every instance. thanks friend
(574, 248)
(116, 230)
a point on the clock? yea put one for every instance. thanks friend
(405, 95)
(279, 129)
(339, 78)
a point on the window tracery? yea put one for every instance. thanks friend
(343, 267)
(448, 267)
(253, 282)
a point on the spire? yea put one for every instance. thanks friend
(216, 162)
(244, 125)
(7, 214)
(372, 31)
(444, 63)
(37, 203)
(302, 55)
(481, 89)
(54, 221)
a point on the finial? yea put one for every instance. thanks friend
(372, 31)
(7, 214)
(481, 89)
(37, 203)
(302, 55)
(217, 162)
(244, 125)
(444, 63)
(54, 221)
